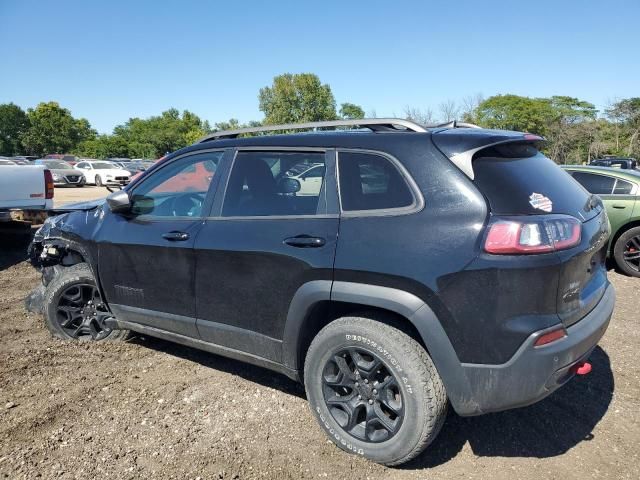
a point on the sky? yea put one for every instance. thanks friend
(111, 60)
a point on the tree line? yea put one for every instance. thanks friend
(576, 131)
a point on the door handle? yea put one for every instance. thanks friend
(176, 236)
(305, 241)
(618, 206)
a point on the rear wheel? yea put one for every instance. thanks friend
(374, 390)
(98, 181)
(74, 309)
(626, 252)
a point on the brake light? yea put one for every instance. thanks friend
(48, 184)
(550, 337)
(543, 235)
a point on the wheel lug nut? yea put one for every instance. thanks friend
(366, 381)
(357, 384)
(375, 392)
(370, 402)
(359, 397)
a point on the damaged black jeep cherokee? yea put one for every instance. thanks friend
(393, 268)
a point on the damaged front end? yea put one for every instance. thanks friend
(62, 241)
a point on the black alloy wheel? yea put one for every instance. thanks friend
(362, 395)
(81, 314)
(631, 253)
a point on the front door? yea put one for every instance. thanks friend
(266, 238)
(146, 258)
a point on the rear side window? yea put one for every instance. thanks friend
(371, 182)
(517, 179)
(623, 188)
(597, 184)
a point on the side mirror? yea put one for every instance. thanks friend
(288, 185)
(119, 202)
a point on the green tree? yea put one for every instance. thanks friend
(627, 113)
(52, 129)
(155, 136)
(351, 111)
(299, 97)
(513, 112)
(13, 124)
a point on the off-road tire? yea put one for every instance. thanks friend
(66, 277)
(620, 248)
(423, 395)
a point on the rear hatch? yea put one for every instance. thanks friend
(517, 180)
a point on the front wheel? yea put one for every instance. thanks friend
(98, 181)
(374, 390)
(626, 252)
(73, 307)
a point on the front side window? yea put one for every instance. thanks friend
(273, 183)
(371, 182)
(597, 184)
(178, 189)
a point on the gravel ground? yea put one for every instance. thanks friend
(151, 409)
(62, 195)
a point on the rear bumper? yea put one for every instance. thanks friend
(535, 372)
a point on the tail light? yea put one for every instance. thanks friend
(48, 184)
(531, 235)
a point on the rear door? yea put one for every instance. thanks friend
(261, 243)
(617, 195)
(146, 259)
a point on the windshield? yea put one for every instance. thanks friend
(58, 165)
(103, 166)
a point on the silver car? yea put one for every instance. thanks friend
(63, 173)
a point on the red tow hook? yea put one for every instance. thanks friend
(581, 368)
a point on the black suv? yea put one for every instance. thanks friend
(616, 162)
(416, 267)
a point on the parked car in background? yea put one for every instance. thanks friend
(118, 160)
(615, 162)
(70, 159)
(7, 161)
(100, 172)
(63, 173)
(619, 190)
(26, 191)
(433, 267)
(27, 158)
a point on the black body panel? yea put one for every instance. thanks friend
(141, 269)
(246, 277)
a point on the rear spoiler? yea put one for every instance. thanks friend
(460, 146)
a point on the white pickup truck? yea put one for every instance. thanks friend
(25, 192)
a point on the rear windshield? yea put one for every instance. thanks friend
(519, 180)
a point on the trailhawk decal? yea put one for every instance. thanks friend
(539, 201)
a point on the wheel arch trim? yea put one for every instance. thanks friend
(405, 304)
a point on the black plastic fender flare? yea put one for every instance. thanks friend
(401, 302)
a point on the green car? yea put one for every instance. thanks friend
(620, 191)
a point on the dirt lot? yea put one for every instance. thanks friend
(64, 195)
(150, 409)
